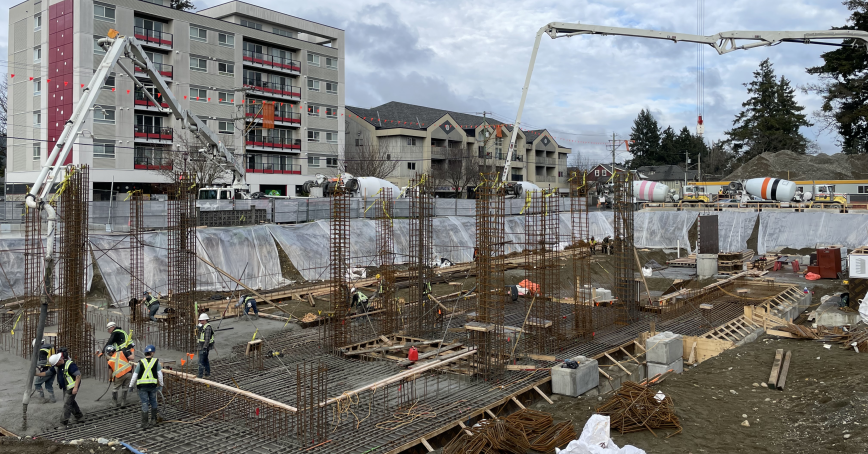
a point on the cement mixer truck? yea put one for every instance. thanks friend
(322, 186)
(651, 191)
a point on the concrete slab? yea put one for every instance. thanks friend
(828, 314)
(664, 348)
(654, 368)
(575, 382)
(637, 374)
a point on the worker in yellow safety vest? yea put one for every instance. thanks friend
(120, 377)
(69, 378)
(120, 340)
(206, 343)
(148, 379)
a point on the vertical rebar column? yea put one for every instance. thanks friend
(580, 255)
(424, 315)
(625, 291)
(182, 317)
(311, 389)
(386, 258)
(34, 267)
(544, 323)
(337, 332)
(137, 260)
(491, 301)
(72, 252)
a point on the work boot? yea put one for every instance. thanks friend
(145, 420)
(79, 417)
(42, 398)
(154, 416)
(51, 397)
(123, 398)
(115, 399)
(64, 423)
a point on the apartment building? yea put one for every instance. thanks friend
(424, 138)
(222, 63)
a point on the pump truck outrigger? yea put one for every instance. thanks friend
(116, 46)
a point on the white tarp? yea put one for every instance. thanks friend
(734, 229)
(595, 440)
(662, 229)
(12, 267)
(810, 230)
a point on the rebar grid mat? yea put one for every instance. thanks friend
(580, 256)
(74, 332)
(178, 332)
(424, 315)
(544, 325)
(625, 285)
(518, 433)
(138, 317)
(390, 318)
(34, 269)
(489, 338)
(311, 384)
(337, 332)
(635, 408)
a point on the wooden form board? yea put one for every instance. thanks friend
(705, 348)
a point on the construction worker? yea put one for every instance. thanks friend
(148, 378)
(360, 300)
(69, 377)
(120, 377)
(606, 245)
(206, 343)
(153, 305)
(120, 340)
(593, 246)
(45, 351)
(249, 303)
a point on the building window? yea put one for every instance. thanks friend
(313, 161)
(198, 34)
(313, 85)
(863, 189)
(37, 22)
(332, 137)
(226, 40)
(597, 172)
(332, 87)
(104, 12)
(103, 149)
(226, 69)
(331, 112)
(199, 94)
(37, 151)
(313, 59)
(198, 64)
(37, 53)
(331, 63)
(411, 166)
(360, 143)
(97, 49)
(37, 119)
(331, 162)
(225, 127)
(560, 174)
(37, 87)
(250, 24)
(313, 136)
(109, 82)
(411, 141)
(312, 110)
(224, 97)
(102, 115)
(282, 32)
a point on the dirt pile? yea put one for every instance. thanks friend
(788, 165)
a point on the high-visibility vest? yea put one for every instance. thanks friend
(202, 334)
(427, 288)
(147, 377)
(119, 365)
(70, 380)
(126, 343)
(150, 300)
(246, 298)
(362, 297)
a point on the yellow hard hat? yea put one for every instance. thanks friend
(378, 276)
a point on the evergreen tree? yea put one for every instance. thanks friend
(771, 117)
(183, 5)
(645, 135)
(669, 152)
(844, 85)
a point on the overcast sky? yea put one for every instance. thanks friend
(472, 56)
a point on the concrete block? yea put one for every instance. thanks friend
(654, 368)
(603, 295)
(575, 382)
(664, 348)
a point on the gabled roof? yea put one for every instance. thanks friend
(408, 116)
(608, 167)
(666, 173)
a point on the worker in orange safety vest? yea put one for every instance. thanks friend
(120, 377)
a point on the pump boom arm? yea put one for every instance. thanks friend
(723, 43)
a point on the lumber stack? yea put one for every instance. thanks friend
(849, 339)
(636, 407)
(780, 368)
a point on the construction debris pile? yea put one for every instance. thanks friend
(856, 339)
(793, 166)
(635, 407)
(519, 432)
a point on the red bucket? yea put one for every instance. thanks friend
(414, 354)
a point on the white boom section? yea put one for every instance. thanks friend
(723, 42)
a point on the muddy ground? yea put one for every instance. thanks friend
(39, 446)
(826, 399)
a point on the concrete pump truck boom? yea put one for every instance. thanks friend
(723, 43)
(116, 46)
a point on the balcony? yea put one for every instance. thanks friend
(544, 179)
(152, 159)
(154, 38)
(143, 103)
(269, 88)
(260, 60)
(543, 161)
(285, 117)
(272, 143)
(272, 165)
(165, 70)
(439, 152)
(153, 133)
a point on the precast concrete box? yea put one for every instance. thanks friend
(575, 382)
(664, 348)
(676, 366)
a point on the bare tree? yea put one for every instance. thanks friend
(578, 162)
(460, 169)
(363, 158)
(192, 157)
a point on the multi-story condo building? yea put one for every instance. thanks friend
(425, 139)
(222, 63)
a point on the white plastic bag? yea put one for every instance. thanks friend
(646, 271)
(863, 309)
(595, 440)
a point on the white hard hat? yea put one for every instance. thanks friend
(204, 317)
(111, 325)
(53, 359)
(353, 290)
(34, 342)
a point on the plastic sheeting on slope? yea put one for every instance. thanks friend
(811, 230)
(229, 248)
(662, 229)
(734, 229)
(12, 268)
